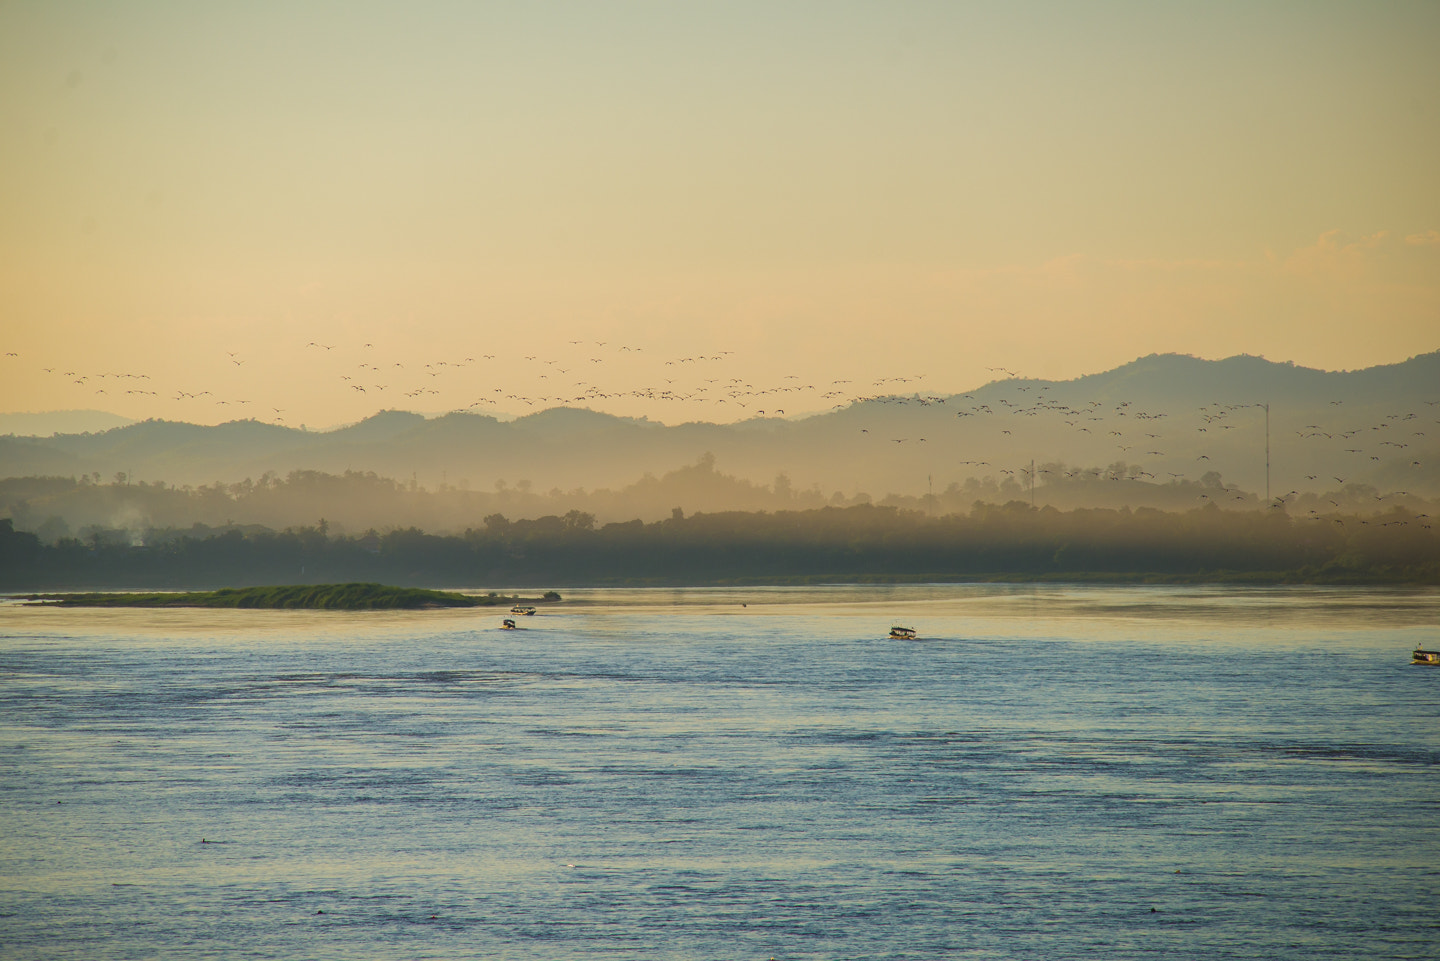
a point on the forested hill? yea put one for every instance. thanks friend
(1159, 417)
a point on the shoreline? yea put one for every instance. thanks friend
(460, 596)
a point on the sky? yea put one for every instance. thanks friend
(308, 212)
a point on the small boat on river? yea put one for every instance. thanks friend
(1426, 657)
(902, 633)
(522, 609)
(508, 624)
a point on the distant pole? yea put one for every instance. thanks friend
(1267, 453)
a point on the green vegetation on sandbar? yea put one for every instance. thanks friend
(333, 597)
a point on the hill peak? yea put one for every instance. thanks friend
(380, 426)
(555, 419)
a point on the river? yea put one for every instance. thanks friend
(1047, 772)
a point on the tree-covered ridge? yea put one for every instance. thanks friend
(340, 597)
(861, 543)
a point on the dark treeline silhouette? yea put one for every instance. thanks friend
(857, 544)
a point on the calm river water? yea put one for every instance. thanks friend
(1048, 772)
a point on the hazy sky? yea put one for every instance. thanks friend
(777, 193)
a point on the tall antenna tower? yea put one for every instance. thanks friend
(1267, 452)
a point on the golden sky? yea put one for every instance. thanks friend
(650, 197)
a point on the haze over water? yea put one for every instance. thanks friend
(670, 774)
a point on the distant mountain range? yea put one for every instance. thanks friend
(1158, 419)
(45, 423)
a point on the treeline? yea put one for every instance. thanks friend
(354, 501)
(858, 544)
(57, 508)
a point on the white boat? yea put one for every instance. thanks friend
(521, 609)
(902, 633)
(1426, 657)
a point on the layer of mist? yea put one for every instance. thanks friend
(119, 511)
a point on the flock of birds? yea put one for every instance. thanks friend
(564, 389)
(585, 373)
(1134, 432)
(552, 381)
